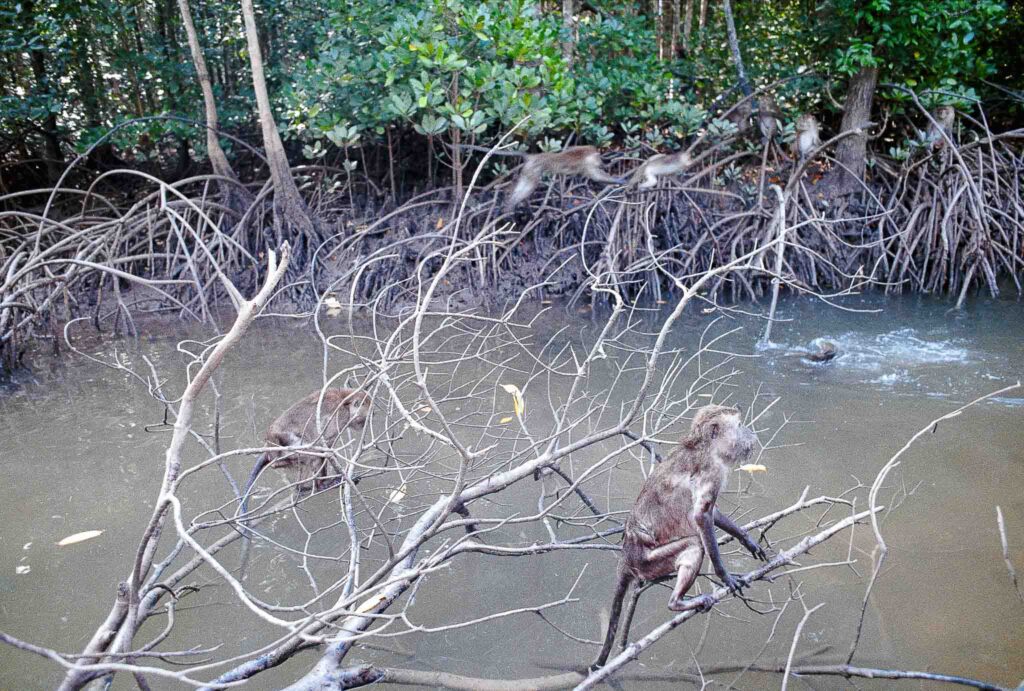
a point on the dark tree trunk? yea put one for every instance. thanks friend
(851, 151)
(51, 139)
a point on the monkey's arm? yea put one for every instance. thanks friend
(705, 520)
(727, 524)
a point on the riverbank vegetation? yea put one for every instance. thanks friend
(157, 144)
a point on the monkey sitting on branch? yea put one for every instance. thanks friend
(807, 137)
(575, 160)
(341, 409)
(672, 525)
(944, 117)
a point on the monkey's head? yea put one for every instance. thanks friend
(720, 429)
(806, 122)
(358, 404)
(944, 114)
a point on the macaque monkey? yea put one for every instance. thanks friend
(662, 164)
(768, 116)
(944, 116)
(341, 409)
(576, 160)
(672, 524)
(807, 137)
(827, 350)
(740, 116)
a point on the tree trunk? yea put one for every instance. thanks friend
(734, 48)
(569, 27)
(703, 21)
(236, 197)
(687, 25)
(290, 211)
(51, 140)
(851, 151)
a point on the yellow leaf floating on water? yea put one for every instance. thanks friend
(424, 409)
(506, 420)
(370, 604)
(517, 398)
(440, 223)
(753, 468)
(79, 537)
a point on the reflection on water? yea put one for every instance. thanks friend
(77, 456)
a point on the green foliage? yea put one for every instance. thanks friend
(341, 74)
(920, 43)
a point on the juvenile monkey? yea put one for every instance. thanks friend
(341, 409)
(808, 136)
(944, 116)
(576, 160)
(662, 164)
(672, 524)
(768, 117)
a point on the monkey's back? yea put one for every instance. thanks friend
(298, 424)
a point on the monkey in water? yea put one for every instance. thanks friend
(575, 160)
(808, 136)
(827, 351)
(659, 165)
(944, 116)
(341, 409)
(672, 525)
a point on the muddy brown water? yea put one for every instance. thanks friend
(76, 456)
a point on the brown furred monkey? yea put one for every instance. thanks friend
(807, 137)
(944, 116)
(672, 524)
(576, 160)
(768, 116)
(341, 409)
(661, 164)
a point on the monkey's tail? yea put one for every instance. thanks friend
(243, 506)
(625, 578)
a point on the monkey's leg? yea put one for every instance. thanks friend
(688, 563)
(729, 526)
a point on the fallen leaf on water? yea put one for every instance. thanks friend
(79, 537)
(22, 570)
(398, 494)
(518, 405)
(754, 468)
(440, 223)
(661, 302)
(506, 420)
(708, 310)
(424, 409)
(545, 302)
(370, 604)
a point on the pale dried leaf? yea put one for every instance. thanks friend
(79, 537)
(398, 495)
(753, 468)
(370, 604)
